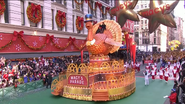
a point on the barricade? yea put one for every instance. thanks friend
(9, 92)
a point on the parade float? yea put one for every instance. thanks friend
(101, 79)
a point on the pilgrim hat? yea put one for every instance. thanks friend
(88, 18)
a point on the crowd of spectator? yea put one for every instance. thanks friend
(14, 73)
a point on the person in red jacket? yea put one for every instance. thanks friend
(172, 97)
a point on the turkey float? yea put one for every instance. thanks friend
(104, 37)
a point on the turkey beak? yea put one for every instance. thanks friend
(88, 25)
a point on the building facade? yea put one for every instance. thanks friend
(15, 17)
(146, 41)
(179, 29)
(176, 33)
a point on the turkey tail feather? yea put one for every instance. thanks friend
(112, 42)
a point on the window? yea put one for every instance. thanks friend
(143, 34)
(6, 13)
(42, 25)
(22, 13)
(65, 3)
(145, 5)
(111, 17)
(82, 9)
(93, 5)
(111, 3)
(141, 6)
(88, 9)
(143, 41)
(136, 34)
(73, 23)
(52, 13)
(92, 11)
(80, 26)
(141, 21)
(145, 21)
(105, 1)
(103, 12)
(154, 40)
(154, 33)
(66, 23)
(61, 2)
(73, 4)
(137, 41)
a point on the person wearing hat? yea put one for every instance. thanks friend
(166, 75)
(161, 73)
(174, 71)
(172, 97)
(153, 73)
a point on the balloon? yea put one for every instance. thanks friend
(125, 11)
(159, 13)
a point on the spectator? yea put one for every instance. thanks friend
(49, 80)
(173, 96)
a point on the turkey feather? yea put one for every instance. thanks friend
(112, 42)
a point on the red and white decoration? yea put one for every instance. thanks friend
(18, 42)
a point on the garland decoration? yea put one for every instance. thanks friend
(20, 35)
(89, 4)
(31, 47)
(82, 1)
(100, 7)
(34, 13)
(59, 47)
(2, 7)
(72, 41)
(49, 38)
(61, 16)
(8, 44)
(79, 23)
(81, 46)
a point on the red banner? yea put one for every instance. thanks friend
(148, 61)
(128, 26)
(18, 46)
(78, 80)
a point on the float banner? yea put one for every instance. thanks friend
(78, 80)
(128, 26)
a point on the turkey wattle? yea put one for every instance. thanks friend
(104, 42)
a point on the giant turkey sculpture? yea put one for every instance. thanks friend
(104, 37)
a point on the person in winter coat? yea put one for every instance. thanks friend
(173, 96)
